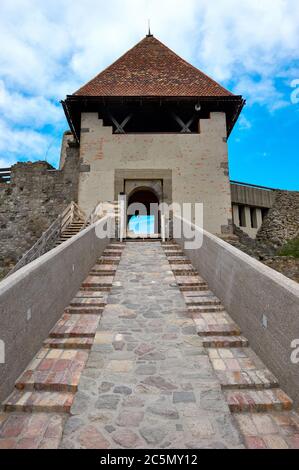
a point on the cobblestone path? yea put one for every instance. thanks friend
(148, 381)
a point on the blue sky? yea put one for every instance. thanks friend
(49, 49)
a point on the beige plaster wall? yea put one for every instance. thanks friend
(198, 162)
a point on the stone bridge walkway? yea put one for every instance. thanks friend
(146, 356)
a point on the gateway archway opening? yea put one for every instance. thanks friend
(143, 214)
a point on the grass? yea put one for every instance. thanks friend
(291, 248)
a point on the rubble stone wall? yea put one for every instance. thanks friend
(33, 199)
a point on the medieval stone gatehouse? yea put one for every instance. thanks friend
(154, 127)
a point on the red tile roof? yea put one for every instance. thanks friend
(152, 69)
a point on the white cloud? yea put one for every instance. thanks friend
(244, 123)
(49, 49)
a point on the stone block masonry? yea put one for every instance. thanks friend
(36, 195)
(196, 162)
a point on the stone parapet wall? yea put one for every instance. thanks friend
(263, 302)
(33, 199)
(34, 298)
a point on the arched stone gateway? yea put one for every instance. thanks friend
(143, 215)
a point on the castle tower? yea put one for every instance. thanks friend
(154, 127)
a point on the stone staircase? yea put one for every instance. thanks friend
(45, 392)
(262, 410)
(34, 414)
(74, 228)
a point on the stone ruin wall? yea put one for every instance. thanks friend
(33, 199)
(282, 221)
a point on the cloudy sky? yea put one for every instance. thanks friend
(50, 48)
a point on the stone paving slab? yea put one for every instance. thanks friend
(71, 326)
(30, 431)
(53, 369)
(148, 382)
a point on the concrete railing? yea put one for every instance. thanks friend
(263, 302)
(33, 299)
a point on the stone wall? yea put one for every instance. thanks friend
(282, 222)
(33, 199)
(43, 288)
(199, 165)
(263, 302)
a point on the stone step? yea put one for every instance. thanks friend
(201, 299)
(53, 370)
(198, 288)
(111, 260)
(84, 302)
(183, 269)
(258, 400)
(112, 252)
(205, 308)
(72, 326)
(212, 324)
(84, 310)
(31, 431)
(104, 268)
(240, 368)
(100, 295)
(97, 282)
(225, 342)
(190, 281)
(95, 289)
(99, 273)
(174, 252)
(55, 402)
(178, 260)
(272, 430)
(68, 343)
(69, 232)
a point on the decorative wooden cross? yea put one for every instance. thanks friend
(120, 127)
(185, 127)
